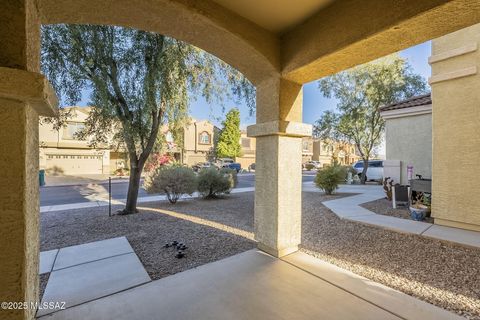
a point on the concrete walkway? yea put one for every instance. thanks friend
(349, 208)
(102, 203)
(86, 272)
(254, 285)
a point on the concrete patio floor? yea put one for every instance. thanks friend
(86, 272)
(254, 285)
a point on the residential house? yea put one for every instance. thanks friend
(62, 152)
(328, 152)
(438, 133)
(199, 140)
(249, 147)
(408, 136)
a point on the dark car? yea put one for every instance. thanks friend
(234, 166)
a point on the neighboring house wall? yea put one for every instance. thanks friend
(409, 139)
(249, 147)
(455, 86)
(198, 142)
(307, 149)
(61, 152)
(326, 153)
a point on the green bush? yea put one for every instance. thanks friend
(231, 176)
(213, 182)
(309, 166)
(329, 178)
(174, 181)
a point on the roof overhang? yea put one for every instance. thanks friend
(406, 112)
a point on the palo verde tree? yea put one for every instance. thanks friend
(360, 92)
(138, 80)
(228, 145)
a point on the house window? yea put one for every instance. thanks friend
(204, 138)
(246, 143)
(72, 129)
(305, 146)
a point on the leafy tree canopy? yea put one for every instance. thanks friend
(360, 92)
(139, 81)
(228, 145)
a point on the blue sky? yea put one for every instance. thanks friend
(313, 101)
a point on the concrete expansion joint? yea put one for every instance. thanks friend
(340, 287)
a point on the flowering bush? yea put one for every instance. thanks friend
(157, 160)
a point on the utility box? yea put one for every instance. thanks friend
(391, 168)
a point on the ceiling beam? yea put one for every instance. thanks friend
(351, 32)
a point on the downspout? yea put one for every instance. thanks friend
(196, 136)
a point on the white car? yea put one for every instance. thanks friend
(374, 170)
(312, 164)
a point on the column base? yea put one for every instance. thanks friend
(278, 253)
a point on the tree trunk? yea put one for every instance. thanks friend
(133, 187)
(364, 177)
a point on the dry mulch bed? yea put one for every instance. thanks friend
(441, 273)
(384, 207)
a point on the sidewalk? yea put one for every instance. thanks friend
(57, 181)
(349, 208)
(101, 203)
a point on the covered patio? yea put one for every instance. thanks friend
(278, 46)
(255, 285)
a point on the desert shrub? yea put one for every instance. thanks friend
(174, 181)
(346, 170)
(232, 177)
(213, 182)
(329, 178)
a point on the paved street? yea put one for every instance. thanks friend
(55, 195)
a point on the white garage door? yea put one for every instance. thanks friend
(74, 164)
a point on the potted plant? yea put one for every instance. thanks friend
(420, 207)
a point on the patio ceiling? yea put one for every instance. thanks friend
(275, 15)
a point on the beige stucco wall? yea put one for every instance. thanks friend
(193, 150)
(409, 139)
(455, 85)
(59, 143)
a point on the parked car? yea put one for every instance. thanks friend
(374, 170)
(223, 162)
(312, 165)
(251, 167)
(234, 165)
(201, 165)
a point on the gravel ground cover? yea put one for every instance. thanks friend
(384, 207)
(441, 273)
(149, 230)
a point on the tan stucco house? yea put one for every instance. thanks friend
(62, 152)
(199, 140)
(438, 133)
(408, 136)
(249, 147)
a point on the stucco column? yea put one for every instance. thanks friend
(24, 94)
(278, 170)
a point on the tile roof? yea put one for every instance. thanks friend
(422, 100)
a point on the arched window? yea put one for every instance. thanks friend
(204, 138)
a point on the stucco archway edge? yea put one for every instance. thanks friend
(240, 43)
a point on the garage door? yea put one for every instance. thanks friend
(74, 164)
